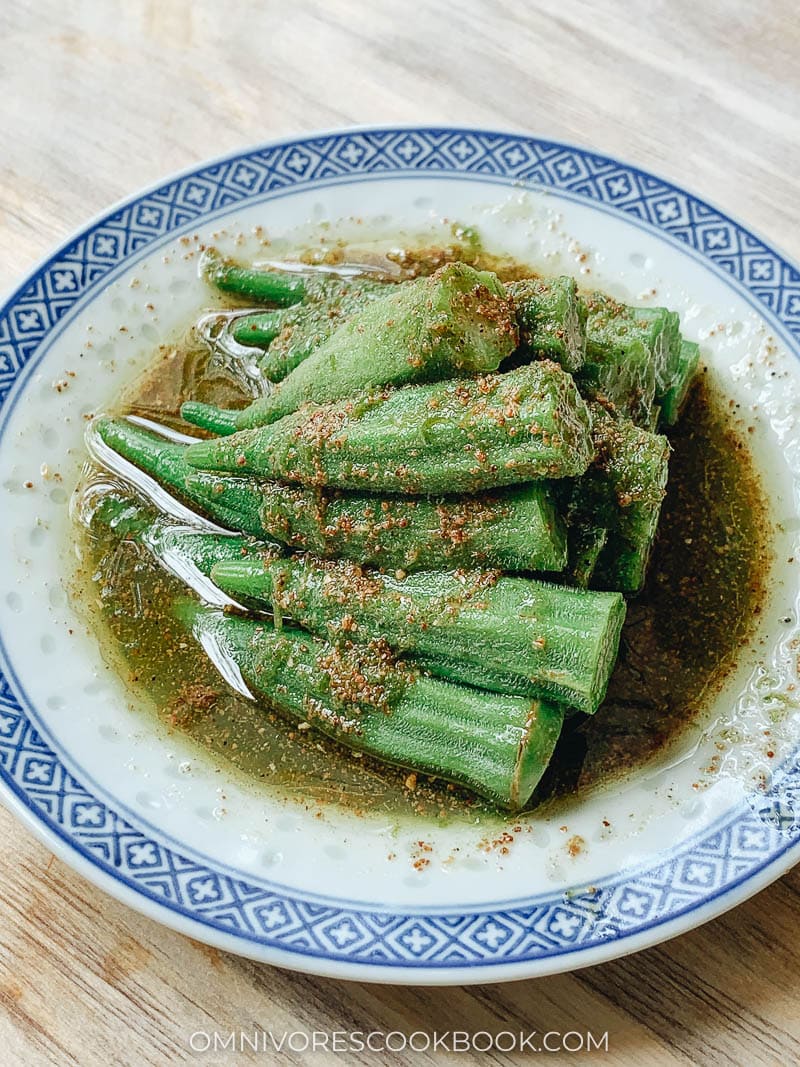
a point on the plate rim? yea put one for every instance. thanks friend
(477, 971)
(485, 974)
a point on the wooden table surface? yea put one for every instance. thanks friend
(100, 98)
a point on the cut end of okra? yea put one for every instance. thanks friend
(586, 542)
(622, 564)
(621, 494)
(675, 396)
(552, 319)
(632, 355)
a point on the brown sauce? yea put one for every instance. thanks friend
(704, 592)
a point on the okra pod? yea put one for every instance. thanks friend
(162, 459)
(552, 319)
(456, 322)
(499, 746)
(517, 529)
(444, 437)
(479, 628)
(675, 396)
(631, 355)
(292, 335)
(513, 635)
(524, 636)
(621, 493)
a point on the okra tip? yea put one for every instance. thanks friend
(209, 417)
(114, 432)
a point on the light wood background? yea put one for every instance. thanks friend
(99, 98)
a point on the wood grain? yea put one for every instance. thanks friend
(99, 99)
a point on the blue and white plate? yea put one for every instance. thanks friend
(157, 823)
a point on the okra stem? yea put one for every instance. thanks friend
(165, 462)
(516, 530)
(264, 286)
(293, 334)
(258, 330)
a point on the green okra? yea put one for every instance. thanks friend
(457, 436)
(283, 288)
(552, 319)
(631, 355)
(455, 322)
(621, 376)
(260, 328)
(165, 462)
(621, 493)
(520, 635)
(162, 459)
(675, 396)
(517, 529)
(513, 635)
(661, 329)
(497, 745)
(290, 336)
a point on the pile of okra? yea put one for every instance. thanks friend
(428, 518)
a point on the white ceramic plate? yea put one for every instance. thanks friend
(156, 823)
